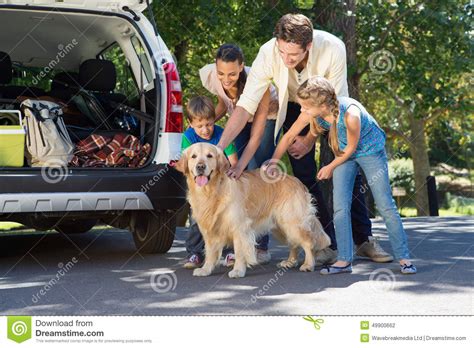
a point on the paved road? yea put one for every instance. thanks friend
(99, 273)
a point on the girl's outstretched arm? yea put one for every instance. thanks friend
(301, 122)
(352, 121)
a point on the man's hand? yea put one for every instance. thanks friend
(300, 147)
(325, 172)
(235, 172)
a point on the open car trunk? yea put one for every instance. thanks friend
(95, 68)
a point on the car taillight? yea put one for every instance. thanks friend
(174, 112)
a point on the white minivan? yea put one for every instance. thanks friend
(104, 62)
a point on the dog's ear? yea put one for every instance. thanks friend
(223, 163)
(182, 164)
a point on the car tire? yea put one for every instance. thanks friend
(153, 233)
(75, 226)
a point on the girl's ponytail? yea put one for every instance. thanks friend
(333, 139)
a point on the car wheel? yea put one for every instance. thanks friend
(153, 233)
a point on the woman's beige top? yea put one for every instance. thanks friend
(210, 81)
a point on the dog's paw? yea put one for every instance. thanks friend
(306, 268)
(287, 264)
(201, 272)
(235, 273)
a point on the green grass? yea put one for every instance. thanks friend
(411, 212)
(7, 226)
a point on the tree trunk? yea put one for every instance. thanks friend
(421, 164)
(333, 17)
(339, 19)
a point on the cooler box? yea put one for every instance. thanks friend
(12, 139)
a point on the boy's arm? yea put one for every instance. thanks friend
(233, 159)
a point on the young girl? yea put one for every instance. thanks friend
(357, 141)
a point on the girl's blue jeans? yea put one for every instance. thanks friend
(376, 170)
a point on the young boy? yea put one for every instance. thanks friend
(201, 116)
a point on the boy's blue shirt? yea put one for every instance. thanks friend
(190, 137)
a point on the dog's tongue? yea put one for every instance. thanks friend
(201, 180)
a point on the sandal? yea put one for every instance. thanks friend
(336, 270)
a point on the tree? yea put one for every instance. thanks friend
(413, 56)
(194, 29)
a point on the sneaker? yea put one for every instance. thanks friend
(372, 250)
(263, 256)
(194, 261)
(336, 270)
(229, 260)
(325, 257)
(408, 269)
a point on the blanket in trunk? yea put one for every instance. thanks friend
(120, 150)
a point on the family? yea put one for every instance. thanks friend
(298, 85)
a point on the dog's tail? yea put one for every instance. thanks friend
(320, 239)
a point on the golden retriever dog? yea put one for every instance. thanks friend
(236, 212)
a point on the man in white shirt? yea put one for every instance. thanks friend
(297, 52)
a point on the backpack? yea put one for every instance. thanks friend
(47, 141)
